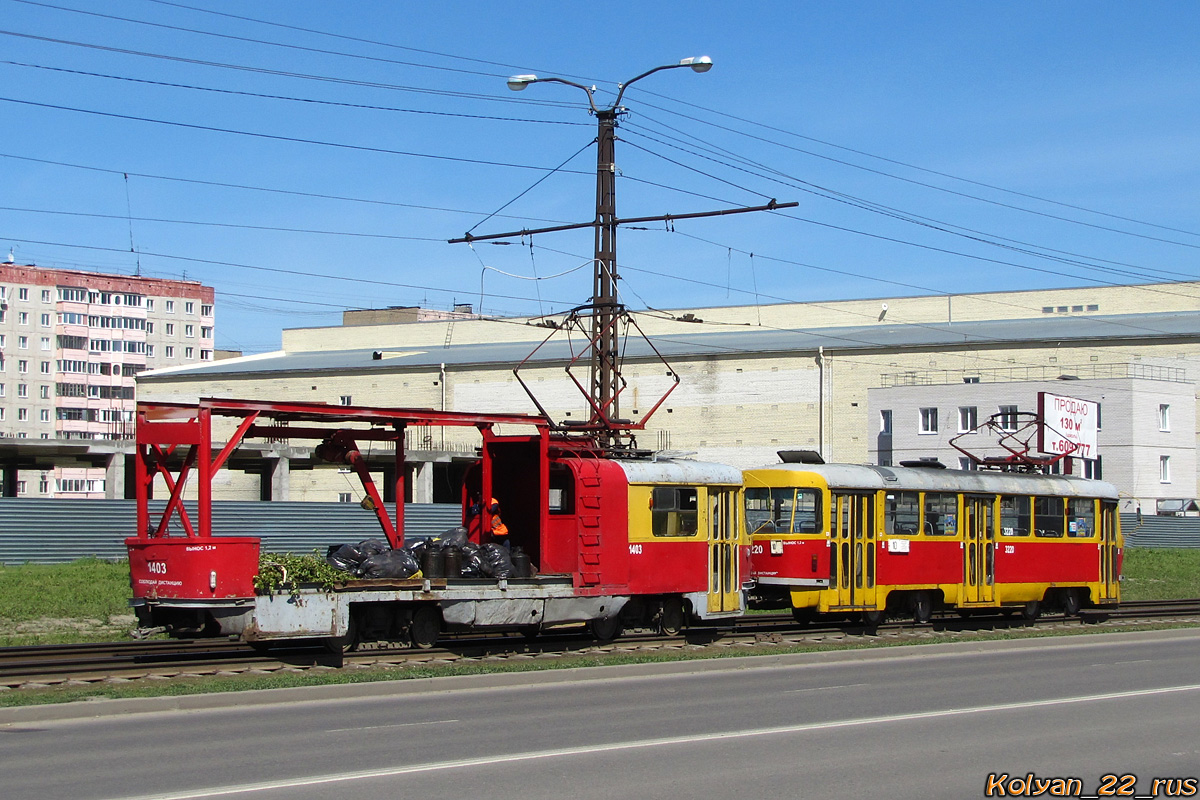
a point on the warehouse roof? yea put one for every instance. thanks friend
(750, 340)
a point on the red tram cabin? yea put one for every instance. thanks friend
(615, 542)
(873, 541)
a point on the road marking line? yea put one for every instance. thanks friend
(565, 752)
(397, 725)
(824, 688)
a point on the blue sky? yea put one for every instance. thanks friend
(933, 147)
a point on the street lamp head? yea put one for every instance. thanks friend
(697, 63)
(519, 82)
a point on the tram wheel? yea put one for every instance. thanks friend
(1070, 602)
(425, 627)
(873, 618)
(1031, 610)
(922, 607)
(605, 629)
(671, 620)
(803, 616)
(347, 643)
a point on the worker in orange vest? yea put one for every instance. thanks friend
(499, 529)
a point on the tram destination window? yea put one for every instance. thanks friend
(783, 510)
(674, 511)
(941, 514)
(1014, 516)
(1048, 516)
(902, 515)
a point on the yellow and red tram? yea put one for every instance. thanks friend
(873, 541)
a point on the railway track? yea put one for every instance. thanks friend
(120, 662)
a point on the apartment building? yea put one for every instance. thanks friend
(71, 344)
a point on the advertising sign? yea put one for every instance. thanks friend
(1067, 421)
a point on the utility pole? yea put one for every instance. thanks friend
(605, 312)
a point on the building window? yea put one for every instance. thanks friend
(346, 400)
(22, 294)
(45, 295)
(189, 353)
(189, 331)
(22, 342)
(22, 390)
(1008, 418)
(170, 329)
(345, 497)
(149, 327)
(885, 422)
(1, 390)
(22, 366)
(45, 367)
(45, 320)
(170, 307)
(965, 463)
(929, 420)
(206, 310)
(189, 307)
(170, 351)
(22, 415)
(21, 484)
(149, 303)
(1164, 469)
(45, 342)
(23, 318)
(968, 418)
(206, 355)
(43, 485)
(150, 351)
(44, 392)
(1164, 417)
(205, 332)
(1093, 469)
(44, 415)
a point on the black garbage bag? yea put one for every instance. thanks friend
(496, 561)
(349, 557)
(453, 537)
(392, 564)
(472, 561)
(417, 549)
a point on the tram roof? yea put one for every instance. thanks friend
(1151, 326)
(927, 479)
(679, 470)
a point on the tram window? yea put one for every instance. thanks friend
(1048, 514)
(562, 490)
(783, 510)
(1014, 516)
(674, 511)
(941, 514)
(902, 515)
(1082, 519)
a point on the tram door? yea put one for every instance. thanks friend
(724, 521)
(1109, 560)
(852, 560)
(979, 548)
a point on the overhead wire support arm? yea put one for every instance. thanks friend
(771, 206)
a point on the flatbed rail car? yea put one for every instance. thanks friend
(849, 539)
(629, 541)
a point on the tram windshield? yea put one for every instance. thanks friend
(783, 510)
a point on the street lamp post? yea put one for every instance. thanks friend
(604, 372)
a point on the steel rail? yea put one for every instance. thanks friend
(47, 665)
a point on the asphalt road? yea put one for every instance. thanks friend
(919, 722)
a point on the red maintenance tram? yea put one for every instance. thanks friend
(615, 541)
(870, 541)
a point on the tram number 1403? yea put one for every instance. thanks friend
(635, 549)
